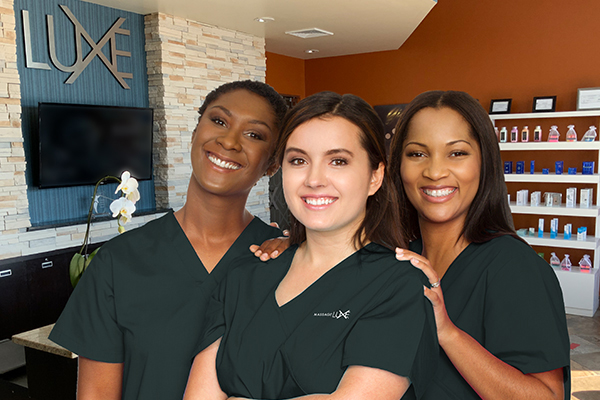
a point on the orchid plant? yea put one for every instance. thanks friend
(123, 208)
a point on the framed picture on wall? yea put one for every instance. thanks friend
(389, 114)
(544, 104)
(500, 106)
(588, 99)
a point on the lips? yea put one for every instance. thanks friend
(222, 163)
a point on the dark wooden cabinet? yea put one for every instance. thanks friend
(34, 290)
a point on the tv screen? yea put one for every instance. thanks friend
(80, 144)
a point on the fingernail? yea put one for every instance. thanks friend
(275, 253)
(414, 261)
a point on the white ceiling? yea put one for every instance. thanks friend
(359, 26)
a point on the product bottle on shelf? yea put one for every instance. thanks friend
(497, 132)
(537, 134)
(553, 135)
(565, 264)
(514, 134)
(503, 134)
(585, 262)
(525, 134)
(554, 261)
(571, 134)
(590, 135)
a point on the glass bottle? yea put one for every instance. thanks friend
(571, 134)
(503, 134)
(590, 135)
(553, 135)
(497, 132)
(585, 262)
(514, 134)
(554, 261)
(537, 134)
(565, 264)
(525, 134)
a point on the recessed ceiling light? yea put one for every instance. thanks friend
(264, 20)
(311, 51)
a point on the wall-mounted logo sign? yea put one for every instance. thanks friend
(80, 62)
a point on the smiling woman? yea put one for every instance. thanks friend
(498, 306)
(136, 314)
(333, 316)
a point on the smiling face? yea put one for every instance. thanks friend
(232, 144)
(327, 176)
(441, 164)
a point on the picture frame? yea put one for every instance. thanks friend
(500, 106)
(544, 104)
(588, 99)
(389, 114)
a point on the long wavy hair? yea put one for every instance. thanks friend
(382, 222)
(489, 215)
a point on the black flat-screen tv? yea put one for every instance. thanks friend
(79, 144)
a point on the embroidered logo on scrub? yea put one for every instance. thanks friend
(335, 315)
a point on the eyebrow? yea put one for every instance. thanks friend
(253, 121)
(452, 143)
(328, 152)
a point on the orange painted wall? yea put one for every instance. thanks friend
(492, 49)
(286, 74)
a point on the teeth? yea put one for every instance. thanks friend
(438, 193)
(222, 164)
(319, 202)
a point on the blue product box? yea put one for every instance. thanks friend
(558, 167)
(520, 167)
(572, 171)
(588, 168)
(545, 171)
(532, 167)
(508, 167)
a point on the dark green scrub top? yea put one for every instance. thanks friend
(142, 301)
(368, 310)
(508, 299)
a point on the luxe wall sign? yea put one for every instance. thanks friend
(80, 62)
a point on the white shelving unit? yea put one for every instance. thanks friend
(580, 287)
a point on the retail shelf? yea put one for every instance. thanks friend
(562, 211)
(591, 242)
(520, 146)
(552, 178)
(560, 114)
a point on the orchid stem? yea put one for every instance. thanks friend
(89, 217)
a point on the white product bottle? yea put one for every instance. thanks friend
(553, 135)
(503, 134)
(514, 134)
(565, 264)
(590, 135)
(571, 134)
(554, 261)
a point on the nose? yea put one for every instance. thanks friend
(316, 176)
(230, 140)
(436, 169)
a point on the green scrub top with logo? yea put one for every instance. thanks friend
(142, 301)
(508, 299)
(368, 310)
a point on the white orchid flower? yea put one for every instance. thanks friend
(122, 207)
(128, 185)
(134, 195)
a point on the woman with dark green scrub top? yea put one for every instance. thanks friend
(500, 318)
(335, 316)
(135, 316)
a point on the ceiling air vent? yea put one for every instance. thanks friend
(309, 33)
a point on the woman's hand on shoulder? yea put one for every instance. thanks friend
(273, 247)
(434, 293)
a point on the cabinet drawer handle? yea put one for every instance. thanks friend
(6, 272)
(47, 264)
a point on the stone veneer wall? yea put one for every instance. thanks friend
(186, 60)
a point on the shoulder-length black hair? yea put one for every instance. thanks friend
(382, 221)
(489, 214)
